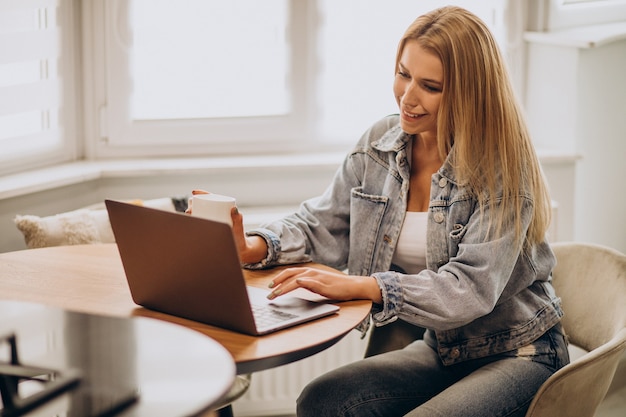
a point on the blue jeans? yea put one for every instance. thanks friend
(413, 382)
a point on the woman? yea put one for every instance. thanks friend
(440, 215)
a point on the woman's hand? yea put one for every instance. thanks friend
(252, 249)
(331, 284)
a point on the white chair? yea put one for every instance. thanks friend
(591, 281)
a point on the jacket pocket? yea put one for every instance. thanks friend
(366, 216)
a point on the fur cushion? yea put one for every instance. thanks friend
(82, 226)
(71, 228)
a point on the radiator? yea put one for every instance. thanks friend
(274, 392)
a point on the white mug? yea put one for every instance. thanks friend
(214, 207)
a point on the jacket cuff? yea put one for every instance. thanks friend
(273, 248)
(391, 292)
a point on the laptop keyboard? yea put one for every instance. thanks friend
(266, 316)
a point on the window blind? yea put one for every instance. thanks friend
(31, 85)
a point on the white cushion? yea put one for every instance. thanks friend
(77, 227)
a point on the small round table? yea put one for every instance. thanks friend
(86, 365)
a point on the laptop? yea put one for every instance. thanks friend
(189, 267)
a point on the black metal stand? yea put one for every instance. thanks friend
(50, 382)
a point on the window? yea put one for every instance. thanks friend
(35, 84)
(198, 76)
(212, 77)
(182, 67)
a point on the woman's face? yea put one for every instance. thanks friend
(417, 87)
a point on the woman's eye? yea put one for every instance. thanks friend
(403, 74)
(432, 88)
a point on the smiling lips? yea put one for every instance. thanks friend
(412, 115)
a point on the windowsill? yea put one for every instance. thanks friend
(584, 37)
(84, 171)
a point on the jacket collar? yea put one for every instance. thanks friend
(447, 169)
(395, 139)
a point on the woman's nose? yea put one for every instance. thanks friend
(411, 95)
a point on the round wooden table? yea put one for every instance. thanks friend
(90, 279)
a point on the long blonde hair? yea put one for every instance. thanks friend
(480, 121)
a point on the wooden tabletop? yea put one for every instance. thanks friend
(90, 279)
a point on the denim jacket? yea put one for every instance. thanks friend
(477, 297)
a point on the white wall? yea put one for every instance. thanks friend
(576, 105)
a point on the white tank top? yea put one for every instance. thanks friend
(410, 254)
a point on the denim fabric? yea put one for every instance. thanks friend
(479, 296)
(415, 382)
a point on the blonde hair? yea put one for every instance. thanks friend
(480, 121)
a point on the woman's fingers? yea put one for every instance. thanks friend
(199, 191)
(238, 229)
(190, 199)
(285, 275)
(285, 281)
(334, 285)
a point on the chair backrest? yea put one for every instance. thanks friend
(591, 281)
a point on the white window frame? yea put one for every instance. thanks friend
(553, 15)
(109, 139)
